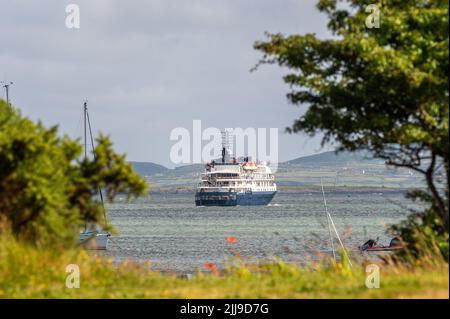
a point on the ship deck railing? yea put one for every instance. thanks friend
(238, 179)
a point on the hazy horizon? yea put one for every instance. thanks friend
(181, 165)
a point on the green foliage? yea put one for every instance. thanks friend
(381, 89)
(46, 192)
(422, 232)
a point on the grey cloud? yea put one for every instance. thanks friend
(147, 67)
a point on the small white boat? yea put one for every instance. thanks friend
(96, 240)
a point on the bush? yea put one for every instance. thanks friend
(47, 193)
(423, 233)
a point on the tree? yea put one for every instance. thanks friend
(46, 192)
(381, 89)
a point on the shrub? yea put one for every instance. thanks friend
(46, 191)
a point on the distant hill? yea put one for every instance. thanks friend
(148, 168)
(317, 160)
(333, 159)
(357, 169)
(354, 169)
(187, 169)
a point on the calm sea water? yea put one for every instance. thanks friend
(175, 235)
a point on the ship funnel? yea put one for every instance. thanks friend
(227, 142)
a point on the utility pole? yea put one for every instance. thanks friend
(6, 86)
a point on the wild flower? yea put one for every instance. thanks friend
(212, 268)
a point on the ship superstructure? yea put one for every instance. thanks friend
(231, 182)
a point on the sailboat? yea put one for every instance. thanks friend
(332, 226)
(92, 238)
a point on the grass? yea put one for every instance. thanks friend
(28, 272)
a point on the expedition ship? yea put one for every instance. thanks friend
(233, 182)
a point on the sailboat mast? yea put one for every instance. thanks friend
(85, 130)
(328, 220)
(331, 224)
(86, 119)
(85, 141)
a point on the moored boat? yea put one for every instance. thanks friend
(91, 238)
(95, 240)
(372, 245)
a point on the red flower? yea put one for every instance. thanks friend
(211, 267)
(231, 239)
(208, 265)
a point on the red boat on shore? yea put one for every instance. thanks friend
(372, 245)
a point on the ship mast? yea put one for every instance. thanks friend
(226, 143)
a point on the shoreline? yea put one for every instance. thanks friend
(294, 190)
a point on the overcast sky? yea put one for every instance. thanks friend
(147, 67)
